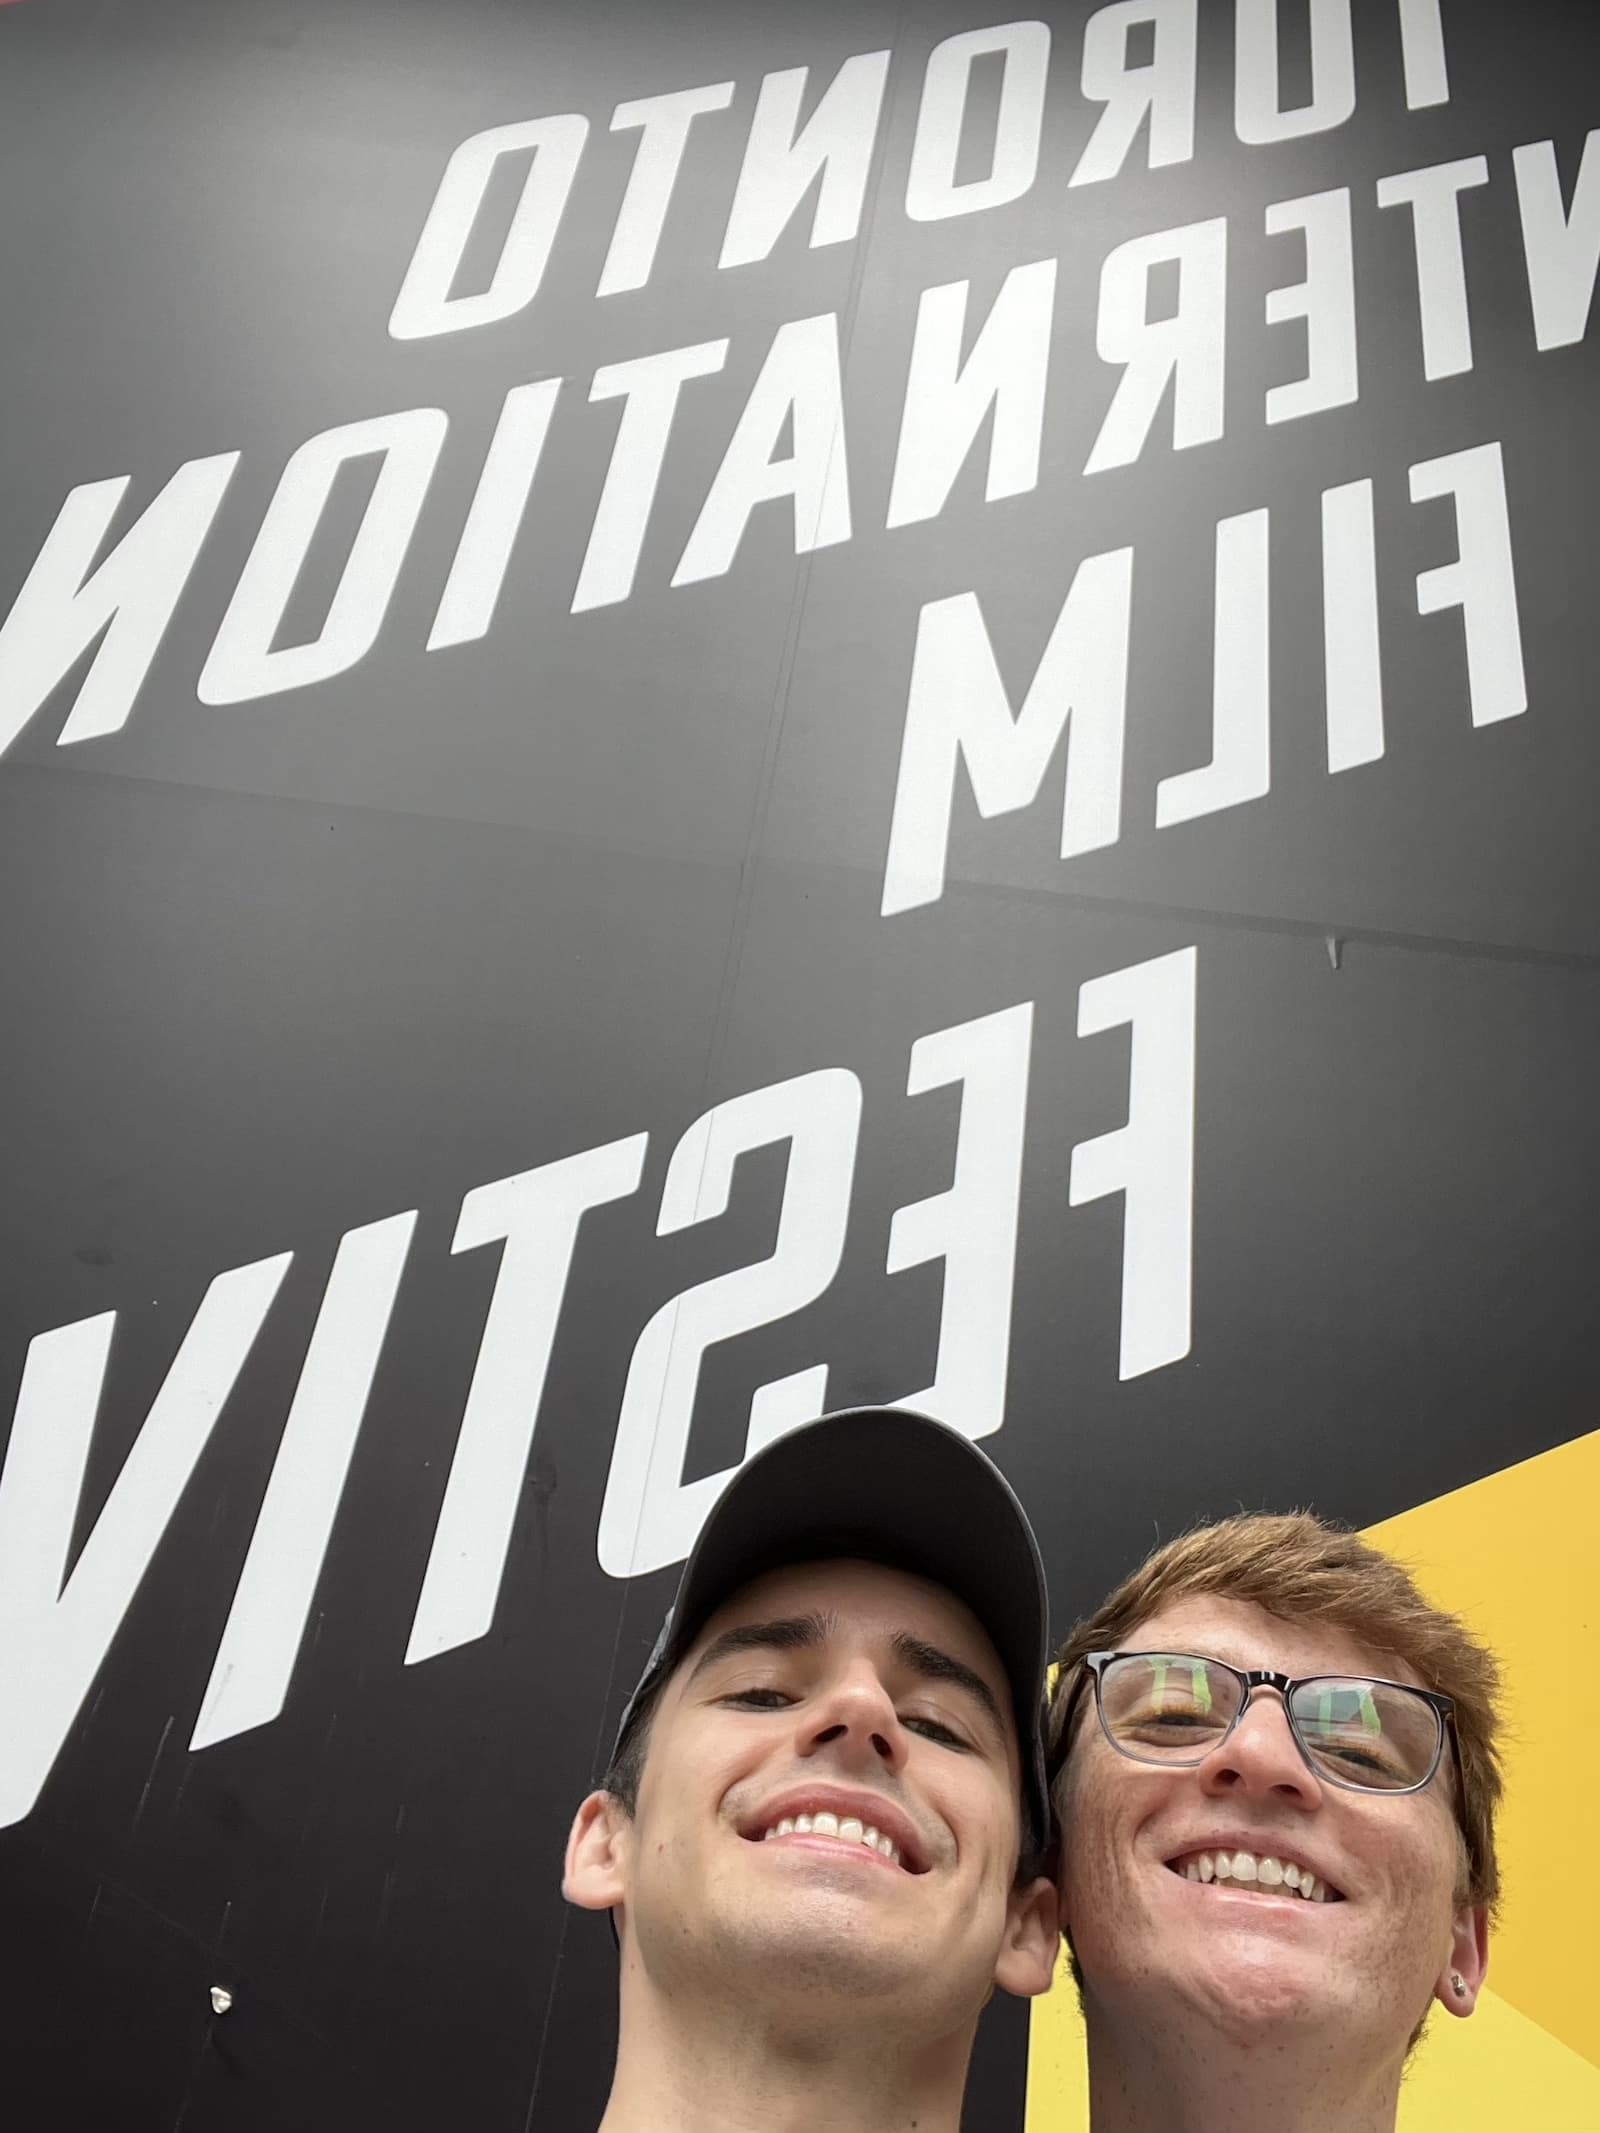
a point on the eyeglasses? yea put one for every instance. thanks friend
(1177, 1708)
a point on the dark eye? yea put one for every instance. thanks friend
(935, 1730)
(1354, 1758)
(759, 1699)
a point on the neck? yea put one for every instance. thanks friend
(686, 2065)
(1185, 2076)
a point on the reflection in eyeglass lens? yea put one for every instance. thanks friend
(1176, 1706)
(1367, 1732)
(1168, 1702)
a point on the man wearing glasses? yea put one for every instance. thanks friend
(1276, 1781)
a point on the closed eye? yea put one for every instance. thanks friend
(933, 1729)
(1354, 1758)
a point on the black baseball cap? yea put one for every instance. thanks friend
(890, 1486)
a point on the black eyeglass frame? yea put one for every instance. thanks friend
(1263, 1677)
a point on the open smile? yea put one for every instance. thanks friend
(1254, 1873)
(864, 1827)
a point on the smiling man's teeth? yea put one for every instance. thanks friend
(851, 1830)
(1250, 1871)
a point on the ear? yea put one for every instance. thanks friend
(598, 1849)
(1033, 1936)
(1469, 1961)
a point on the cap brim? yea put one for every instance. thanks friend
(893, 1486)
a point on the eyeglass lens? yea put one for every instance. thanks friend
(1173, 1707)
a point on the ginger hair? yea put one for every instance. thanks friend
(1303, 1569)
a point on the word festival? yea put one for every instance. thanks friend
(55, 1628)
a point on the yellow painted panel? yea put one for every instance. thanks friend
(1495, 2073)
(1514, 1555)
(1058, 2072)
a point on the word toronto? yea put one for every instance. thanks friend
(966, 376)
(56, 1629)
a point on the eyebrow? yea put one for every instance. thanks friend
(795, 1633)
(936, 1665)
(789, 1633)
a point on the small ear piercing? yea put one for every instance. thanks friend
(1458, 1984)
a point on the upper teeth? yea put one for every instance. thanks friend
(1268, 1873)
(850, 1828)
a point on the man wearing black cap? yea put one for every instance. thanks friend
(818, 1838)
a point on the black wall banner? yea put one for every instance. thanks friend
(706, 712)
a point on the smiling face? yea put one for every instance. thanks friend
(1187, 1889)
(829, 1808)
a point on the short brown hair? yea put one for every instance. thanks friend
(1302, 1568)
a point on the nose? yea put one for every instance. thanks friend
(1261, 1757)
(854, 1722)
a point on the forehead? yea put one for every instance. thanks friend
(1248, 1636)
(864, 1605)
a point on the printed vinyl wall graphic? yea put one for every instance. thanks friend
(708, 711)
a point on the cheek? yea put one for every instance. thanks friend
(1111, 1823)
(978, 1810)
(1090, 1846)
(1425, 1881)
(1413, 1859)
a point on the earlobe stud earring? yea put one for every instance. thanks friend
(1458, 1984)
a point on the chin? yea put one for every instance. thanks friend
(1258, 1991)
(823, 1956)
(815, 1974)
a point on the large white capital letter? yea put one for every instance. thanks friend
(1258, 115)
(1326, 300)
(425, 305)
(1186, 348)
(973, 1226)
(1422, 54)
(66, 601)
(1561, 245)
(472, 590)
(54, 1635)
(536, 1215)
(783, 159)
(948, 401)
(933, 191)
(1482, 581)
(267, 1621)
(798, 392)
(958, 712)
(651, 1515)
(1241, 719)
(649, 387)
(1434, 198)
(663, 124)
(1352, 664)
(244, 663)
(1164, 88)
(1150, 1160)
